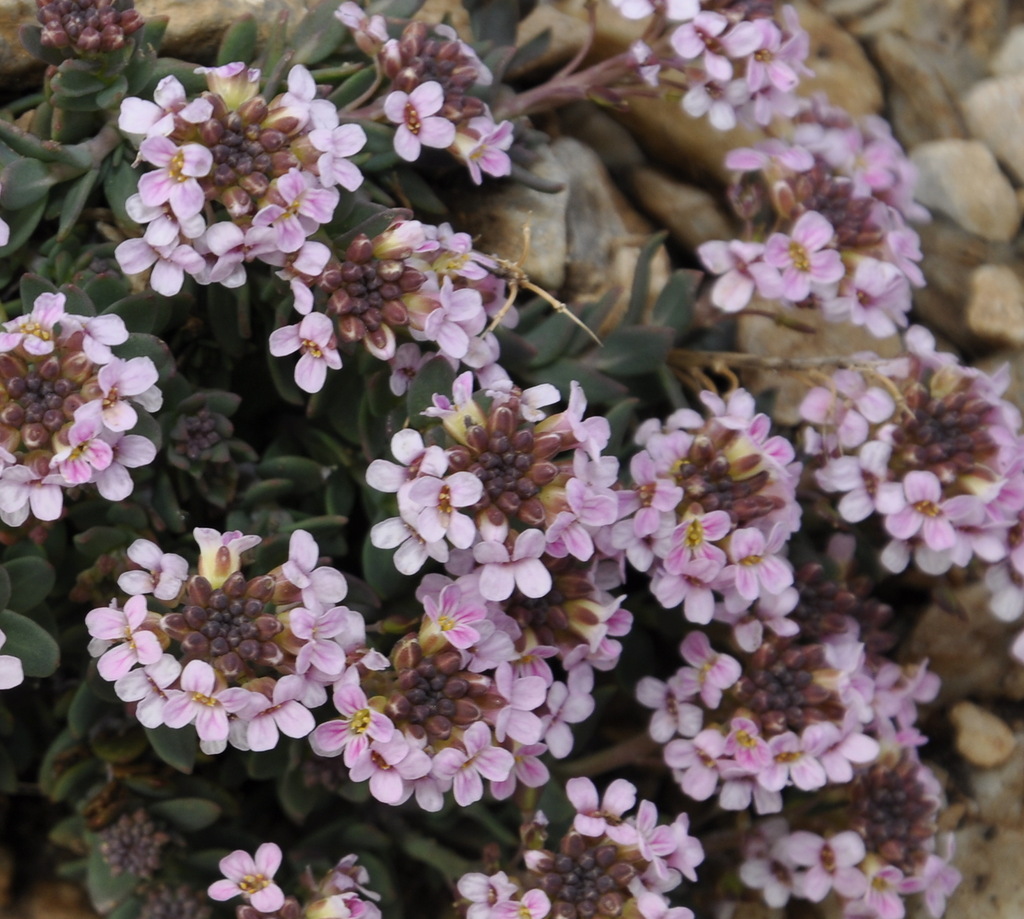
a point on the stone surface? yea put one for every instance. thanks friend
(997, 793)
(496, 214)
(994, 110)
(193, 33)
(982, 738)
(962, 179)
(567, 34)
(922, 100)
(691, 214)
(761, 335)
(989, 859)
(1010, 56)
(995, 306)
(970, 655)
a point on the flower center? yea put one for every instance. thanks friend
(253, 883)
(694, 535)
(311, 347)
(798, 255)
(412, 118)
(360, 722)
(927, 508)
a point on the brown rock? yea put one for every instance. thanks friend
(997, 792)
(982, 738)
(995, 308)
(921, 97)
(970, 655)
(994, 110)
(1010, 56)
(691, 214)
(763, 336)
(497, 213)
(962, 179)
(566, 35)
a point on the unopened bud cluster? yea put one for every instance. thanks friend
(87, 27)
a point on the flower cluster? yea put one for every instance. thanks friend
(711, 509)
(735, 61)
(87, 27)
(272, 165)
(411, 279)
(431, 73)
(931, 451)
(253, 655)
(607, 864)
(809, 703)
(66, 407)
(831, 207)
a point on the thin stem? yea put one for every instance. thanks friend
(680, 357)
(633, 751)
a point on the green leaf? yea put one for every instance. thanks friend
(431, 852)
(187, 814)
(302, 472)
(317, 35)
(30, 643)
(630, 351)
(267, 492)
(642, 279)
(176, 747)
(146, 312)
(355, 86)
(24, 183)
(48, 151)
(5, 588)
(674, 306)
(410, 185)
(435, 376)
(494, 20)
(106, 891)
(85, 710)
(75, 199)
(119, 183)
(31, 580)
(30, 36)
(23, 224)
(8, 774)
(239, 41)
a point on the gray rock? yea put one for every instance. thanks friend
(962, 179)
(692, 215)
(995, 306)
(994, 110)
(982, 738)
(1010, 56)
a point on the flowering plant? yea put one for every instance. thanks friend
(425, 575)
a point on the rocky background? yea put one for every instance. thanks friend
(949, 76)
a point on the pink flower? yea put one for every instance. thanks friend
(391, 767)
(22, 490)
(419, 125)
(129, 451)
(220, 554)
(534, 904)
(120, 381)
(134, 644)
(145, 686)
(479, 760)
(85, 454)
(596, 820)
(755, 565)
(170, 263)
(696, 762)
(455, 617)
(673, 713)
(251, 877)
(299, 206)
(711, 672)
(284, 713)
(35, 332)
(482, 145)
(336, 144)
(803, 257)
(742, 273)
(926, 512)
(502, 572)
(320, 586)
(831, 863)
(745, 744)
(314, 337)
(523, 695)
(198, 700)
(355, 730)
(175, 183)
(318, 628)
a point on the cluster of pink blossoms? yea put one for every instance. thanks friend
(413, 279)
(930, 450)
(711, 509)
(253, 656)
(273, 166)
(340, 894)
(606, 865)
(66, 406)
(736, 62)
(431, 73)
(826, 222)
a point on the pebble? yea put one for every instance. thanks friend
(962, 179)
(994, 110)
(691, 214)
(1010, 56)
(982, 738)
(995, 306)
